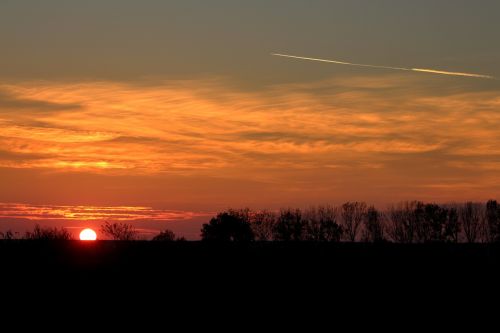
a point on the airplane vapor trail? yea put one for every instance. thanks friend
(421, 70)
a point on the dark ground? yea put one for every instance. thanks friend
(199, 262)
(283, 282)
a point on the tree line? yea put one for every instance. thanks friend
(406, 222)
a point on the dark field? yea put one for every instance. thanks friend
(260, 263)
(196, 279)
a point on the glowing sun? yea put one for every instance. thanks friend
(88, 235)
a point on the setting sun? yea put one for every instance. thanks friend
(88, 235)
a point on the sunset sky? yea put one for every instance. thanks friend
(163, 112)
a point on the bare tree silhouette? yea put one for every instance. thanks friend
(353, 214)
(321, 224)
(452, 227)
(422, 224)
(374, 227)
(470, 215)
(262, 224)
(493, 220)
(402, 226)
(119, 231)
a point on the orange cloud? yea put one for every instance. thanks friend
(311, 137)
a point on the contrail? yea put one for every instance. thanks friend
(422, 70)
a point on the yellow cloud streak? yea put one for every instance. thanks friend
(434, 71)
(423, 70)
(89, 213)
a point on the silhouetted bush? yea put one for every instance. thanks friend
(7, 235)
(165, 236)
(232, 225)
(119, 231)
(40, 233)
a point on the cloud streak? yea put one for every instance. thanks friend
(421, 70)
(92, 213)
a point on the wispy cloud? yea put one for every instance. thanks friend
(10, 103)
(177, 128)
(313, 138)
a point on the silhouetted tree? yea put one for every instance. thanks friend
(330, 229)
(352, 214)
(422, 228)
(262, 224)
(432, 226)
(470, 215)
(40, 233)
(452, 227)
(165, 235)
(374, 228)
(119, 231)
(403, 221)
(232, 225)
(321, 224)
(289, 226)
(493, 220)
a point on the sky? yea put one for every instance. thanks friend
(171, 111)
